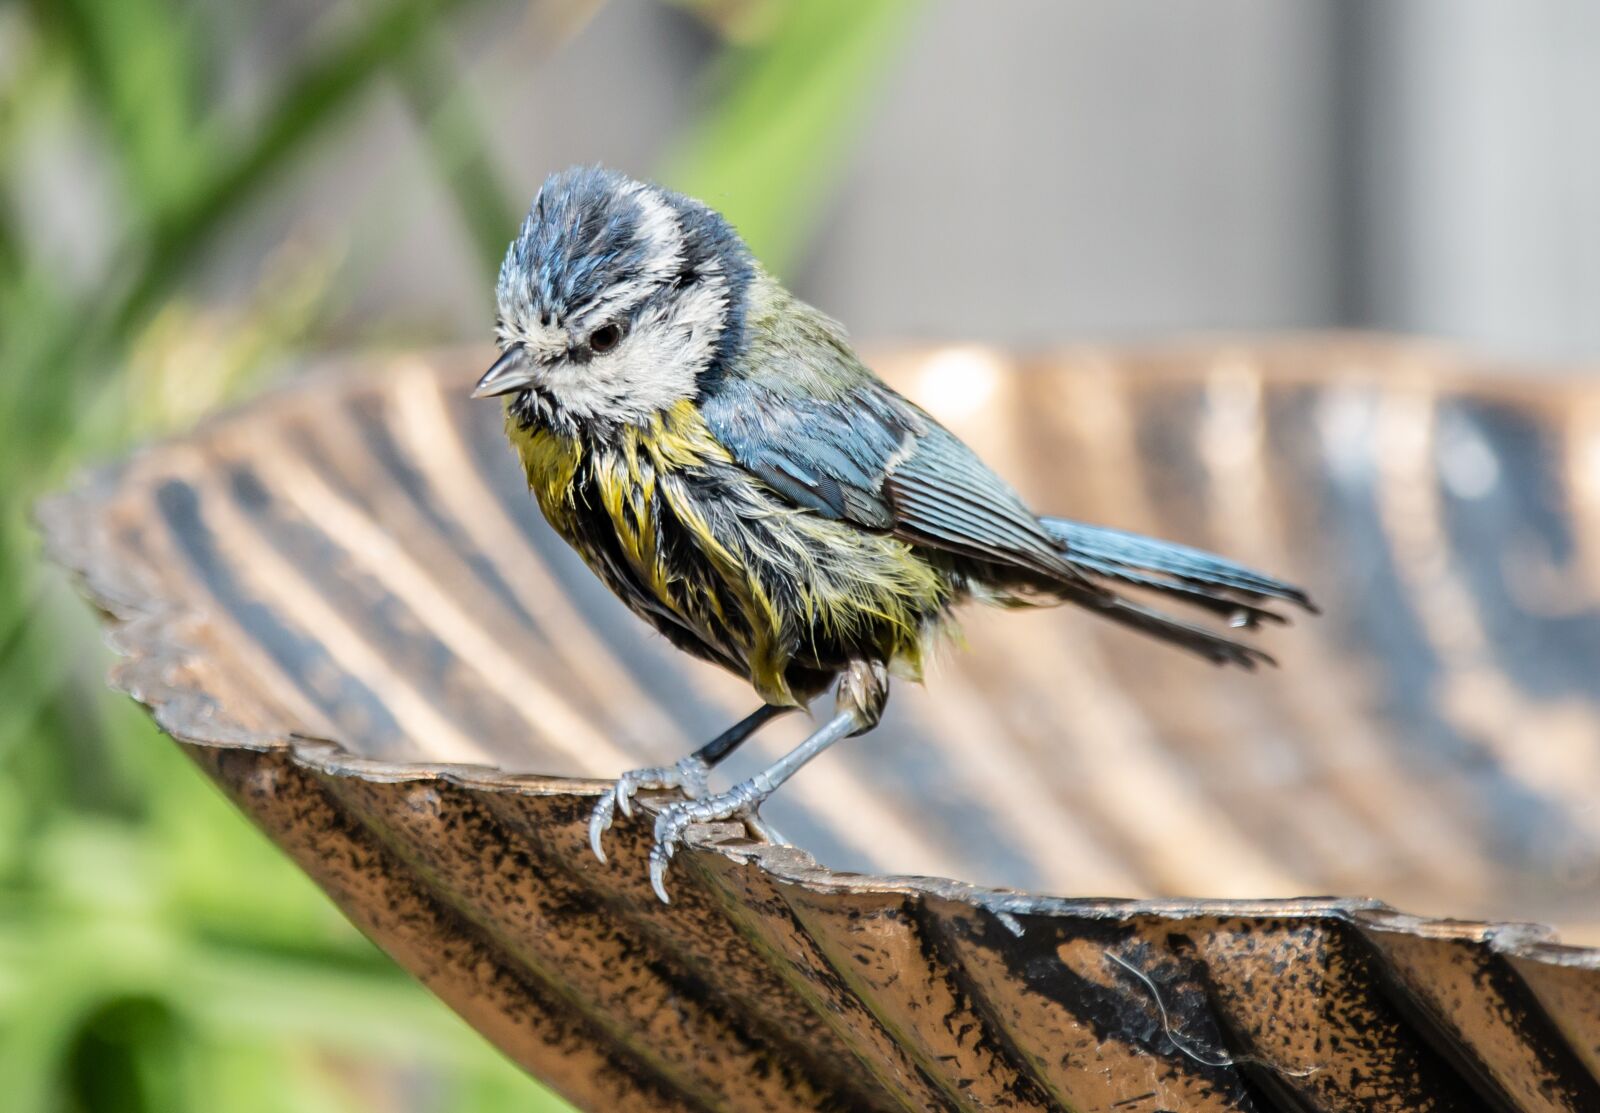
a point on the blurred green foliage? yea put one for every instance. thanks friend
(156, 953)
(767, 149)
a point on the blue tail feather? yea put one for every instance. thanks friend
(1188, 576)
(1192, 575)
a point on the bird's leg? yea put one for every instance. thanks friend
(863, 691)
(740, 801)
(687, 774)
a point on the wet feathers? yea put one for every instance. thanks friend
(735, 474)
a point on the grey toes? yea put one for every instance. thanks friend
(600, 822)
(675, 819)
(688, 776)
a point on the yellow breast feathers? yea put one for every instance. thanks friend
(765, 583)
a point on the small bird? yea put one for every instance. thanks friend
(718, 455)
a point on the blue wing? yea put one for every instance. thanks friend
(874, 459)
(870, 457)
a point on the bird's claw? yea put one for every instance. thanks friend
(740, 802)
(688, 775)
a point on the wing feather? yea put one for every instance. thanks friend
(875, 459)
(944, 486)
(803, 415)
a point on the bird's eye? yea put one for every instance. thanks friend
(604, 338)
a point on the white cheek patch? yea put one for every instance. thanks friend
(656, 365)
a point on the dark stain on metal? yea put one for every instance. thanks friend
(773, 982)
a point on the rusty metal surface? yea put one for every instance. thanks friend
(343, 605)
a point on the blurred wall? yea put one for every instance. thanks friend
(1475, 178)
(1041, 170)
(1048, 169)
(1044, 170)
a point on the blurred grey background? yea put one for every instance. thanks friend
(1043, 170)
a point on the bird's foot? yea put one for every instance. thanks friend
(687, 776)
(739, 802)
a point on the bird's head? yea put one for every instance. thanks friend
(617, 300)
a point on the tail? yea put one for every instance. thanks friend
(1189, 576)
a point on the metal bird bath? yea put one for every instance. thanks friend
(342, 603)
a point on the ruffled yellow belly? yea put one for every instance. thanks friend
(690, 540)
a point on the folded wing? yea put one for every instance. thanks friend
(872, 458)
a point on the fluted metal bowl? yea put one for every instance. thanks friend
(344, 605)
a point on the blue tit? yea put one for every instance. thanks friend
(720, 457)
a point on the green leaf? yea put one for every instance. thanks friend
(137, 60)
(767, 152)
(76, 346)
(312, 100)
(462, 156)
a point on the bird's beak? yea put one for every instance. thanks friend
(510, 372)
